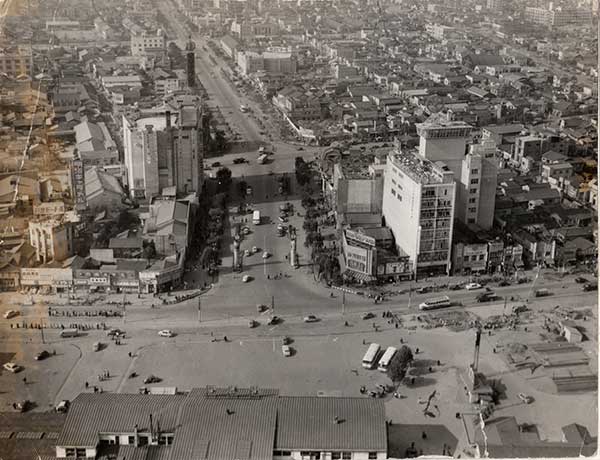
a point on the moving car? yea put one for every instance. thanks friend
(273, 320)
(246, 278)
(97, 346)
(216, 164)
(63, 406)
(11, 314)
(311, 319)
(504, 283)
(590, 287)
(41, 355)
(115, 333)
(368, 315)
(266, 255)
(541, 292)
(486, 297)
(525, 398)
(152, 379)
(239, 160)
(254, 249)
(473, 286)
(247, 253)
(286, 350)
(252, 323)
(166, 333)
(581, 280)
(286, 340)
(12, 367)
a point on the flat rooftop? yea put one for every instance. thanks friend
(419, 169)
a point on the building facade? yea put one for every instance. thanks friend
(52, 240)
(418, 206)
(16, 61)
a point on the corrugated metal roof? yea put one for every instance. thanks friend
(91, 414)
(225, 425)
(309, 422)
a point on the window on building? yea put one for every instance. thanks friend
(472, 209)
(474, 171)
(472, 200)
(80, 452)
(373, 455)
(465, 258)
(474, 181)
(399, 197)
(70, 452)
(481, 256)
(470, 221)
(336, 455)
(347, 455)
(473, 190)
(393, 192)
(131, 440)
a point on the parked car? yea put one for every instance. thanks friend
(152, 379)
(246, 278)
(11, 314)
(273, 320)
(311, 319)
(423, 290)
(473, 286)
(247, 253)
(254, 249)
(63, 406)
(504, 283)
(525, 398)
(239, 160)
(41, 355)
(286, 350)
(486, 297)
(252, 323)
(590, 287)
(261, 307)
(286, 340)
(581, 280)
(12, 367)
(455, 287)
(216, 164)
(266, 255)
(166, 333)
(541, 292)
(368, 315)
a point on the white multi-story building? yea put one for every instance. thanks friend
(16, 61)
(52, 240)
(144, 43)
(558, 17)
(471, 164)
(418, 206)
(160, 152)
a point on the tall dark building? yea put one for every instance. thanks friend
(191, 63)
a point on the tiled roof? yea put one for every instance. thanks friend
(91, 414)
(223, 428)
(310, 421)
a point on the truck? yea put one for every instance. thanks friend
(256, 217)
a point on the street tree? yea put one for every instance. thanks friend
(399, 364)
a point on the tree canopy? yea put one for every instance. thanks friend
(399, 364)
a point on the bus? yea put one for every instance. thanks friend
(438, 302)
(256, 217)
(371, 355)
(69, 333)
(385, 360)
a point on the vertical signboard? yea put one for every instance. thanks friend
(78, 185)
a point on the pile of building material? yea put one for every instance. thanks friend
(454, 320)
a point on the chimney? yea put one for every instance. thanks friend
(136, 436)
(168, 118)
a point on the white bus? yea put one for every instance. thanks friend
(69, 333)
(256, 217)
(385, 360)
(432, 304)
(371, 355)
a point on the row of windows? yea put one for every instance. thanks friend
(472, 200)
(474, 181)
(473, 257)
(472, 191)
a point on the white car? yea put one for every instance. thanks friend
(473, 286)
(311, 319)
(10, 314)
(12, 367)
(166, 333)
(254, 249)
(525, 398)
(245, 278)
(247, 253)
(286, 350)
(266, 255)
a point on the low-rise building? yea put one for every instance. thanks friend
(95, 144)
(224, 424)
(52, 239)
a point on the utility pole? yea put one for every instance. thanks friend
(199, 310)
(42, 332)
(343, 303)
(272, 304)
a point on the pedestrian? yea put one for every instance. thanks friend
(129, 354)
(86, 385)
(364, 342)
(25, 380)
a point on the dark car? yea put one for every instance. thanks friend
(216, 164)
(504, 283)
(238, 161)
(423, 290)
(152, 379)
(273, 320)
(22, 406)
(580, 280)
(455, 287)
(590, 287)
(368, 315)
(42, 355)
